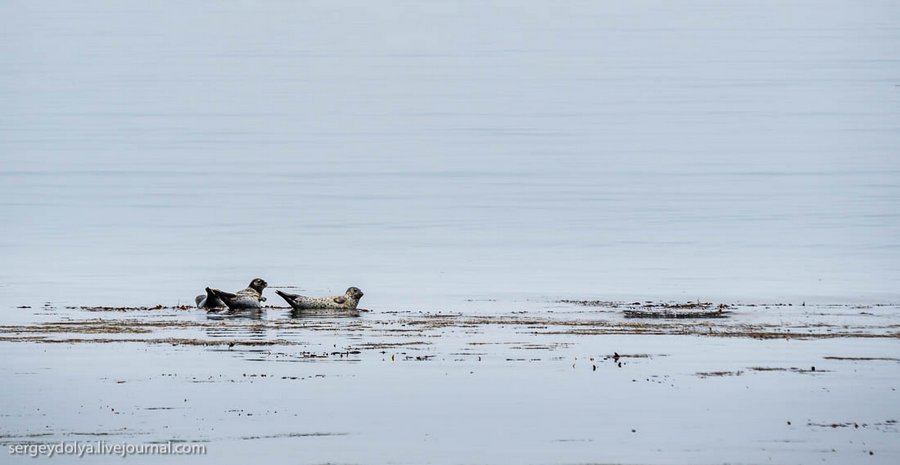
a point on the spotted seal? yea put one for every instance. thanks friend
(347, 302)
(249, 298)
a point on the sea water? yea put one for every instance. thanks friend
(431, 152)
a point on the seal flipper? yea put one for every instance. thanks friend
(221, 296)
(286, 295)
(289, 298)
(209, 301)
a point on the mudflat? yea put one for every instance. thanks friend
(497, 381)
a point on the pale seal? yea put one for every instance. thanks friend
(347, 302)
(249, 298)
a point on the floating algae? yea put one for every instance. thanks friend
(677, 311)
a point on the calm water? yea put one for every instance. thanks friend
(428, 151)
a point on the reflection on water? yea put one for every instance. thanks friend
(234, 329)
(324, 314)
(248, 314)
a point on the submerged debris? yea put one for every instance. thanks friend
(789, 369)
(133, 309)
(669, 314)
(678, 310)
(710, 374)
(592, 303)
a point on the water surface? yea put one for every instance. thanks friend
(425, 150)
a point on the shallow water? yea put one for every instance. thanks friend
(548, 382)
(423, 151)
(479, 159)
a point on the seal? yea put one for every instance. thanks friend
(249, 298)
(347, 302)
(209, 300)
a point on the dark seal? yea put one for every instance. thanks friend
(249, 298)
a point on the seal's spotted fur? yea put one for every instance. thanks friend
(348, 301)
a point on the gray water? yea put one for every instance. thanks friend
(432, 151)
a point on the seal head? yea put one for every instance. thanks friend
(354, 293)
(258, 284)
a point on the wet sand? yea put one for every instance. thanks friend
(494, 382)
